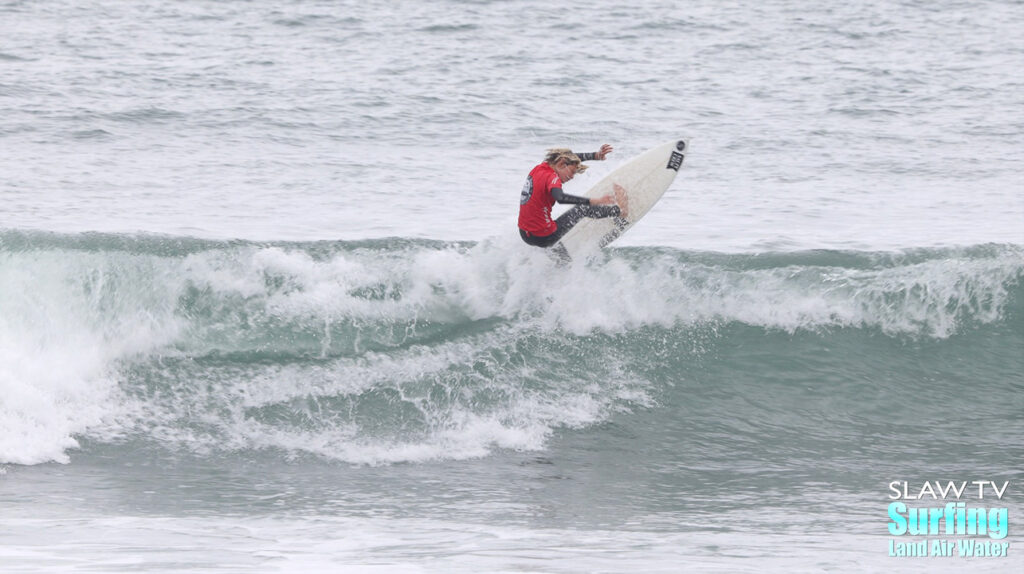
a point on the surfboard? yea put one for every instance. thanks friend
(645, 178)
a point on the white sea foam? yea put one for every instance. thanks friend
(375, 545)
(452, 400)
(66, 318)
(72, 321)
(929, 298)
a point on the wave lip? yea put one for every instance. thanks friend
(935, 294)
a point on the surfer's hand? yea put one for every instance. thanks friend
(605, 150)
(603, 200)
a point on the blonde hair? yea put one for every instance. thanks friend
(563, 153)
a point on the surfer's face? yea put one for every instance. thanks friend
(566, 171)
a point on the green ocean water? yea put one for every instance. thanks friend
(397, 350)
(644, 390)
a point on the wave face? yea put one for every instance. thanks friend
(400, 350)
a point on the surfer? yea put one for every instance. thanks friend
(544, 187)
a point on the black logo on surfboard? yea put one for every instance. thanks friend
(676, 161)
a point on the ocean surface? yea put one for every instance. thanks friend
(264, 308)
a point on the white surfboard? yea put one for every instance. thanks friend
(645, 178)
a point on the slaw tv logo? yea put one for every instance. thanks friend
(959, 527)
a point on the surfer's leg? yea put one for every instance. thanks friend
(570, 218)
(567, 220)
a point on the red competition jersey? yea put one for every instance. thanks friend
(535, 202)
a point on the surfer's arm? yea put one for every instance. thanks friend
(562, 197)
(598, 155)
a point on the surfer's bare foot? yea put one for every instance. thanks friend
(622, 200)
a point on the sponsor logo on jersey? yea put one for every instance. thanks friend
(527, 191)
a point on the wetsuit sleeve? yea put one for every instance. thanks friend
(587, 156)
(562, 197)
